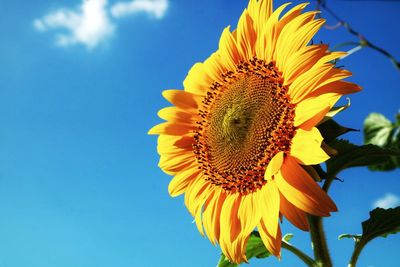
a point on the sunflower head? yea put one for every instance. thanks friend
(240, 135)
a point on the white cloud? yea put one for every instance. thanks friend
(157, 8)
(91, 24)
(88, 25)
(387, 201)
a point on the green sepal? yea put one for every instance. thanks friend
(330, 130)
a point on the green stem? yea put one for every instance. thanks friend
(305, 258)
(319, 244)
(357, 250)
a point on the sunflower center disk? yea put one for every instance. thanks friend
(246, 121)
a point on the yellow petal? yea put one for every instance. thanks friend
(306, 147)
(270, 207)
(245, 36)
(249, 212)
(174, 163)
(208, 217)
(313, 79)
(293, 13)
(272, 243)
(228, 49)
(297, 186)
(196, 194)
(169, 128)
(296, 216)
(212, 214)
(179, 183)
(182, 99)
(338, 87)
(269, 36)
(260, 11)
(298, 198)
(296, 34)
(302, 180)
(230, 224)
(315, 119)
(307, 82)
(314, 109)
(214, 66)
(232, 240)
(235, 251)
(174, 114)
(274, 165)
(199, 222)
(170, 144)
(197, 82)
(301, 61)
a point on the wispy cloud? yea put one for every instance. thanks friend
(88, 25)
(157, 8)
(387, 201)
(91, 23)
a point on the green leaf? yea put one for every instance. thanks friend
(330, 129)
(380, 131)
(255, 248)
(382, 222)
(350, 155)
(377, 129)
(224, 262)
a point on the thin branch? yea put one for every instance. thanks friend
(363, 42)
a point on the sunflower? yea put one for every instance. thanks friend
(240, 136)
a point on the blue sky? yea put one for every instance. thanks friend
(79, 183)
